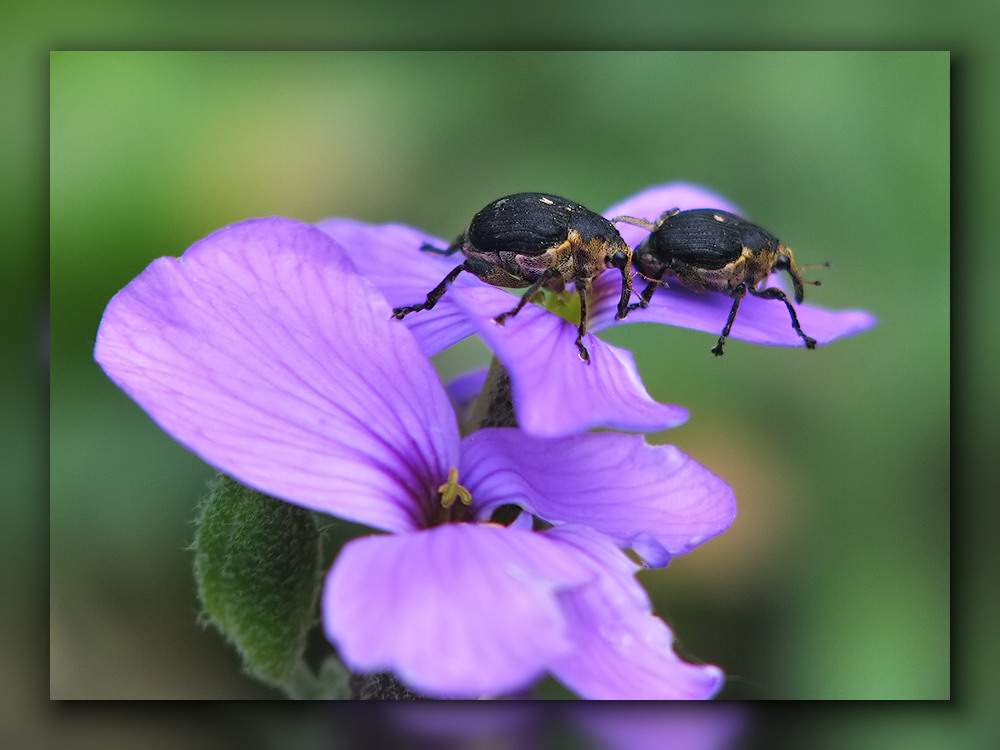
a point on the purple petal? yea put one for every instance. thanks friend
(555, 392)
(622, 651)
(759, 321)
(651, 203)
(644, 726)
(263, 352)
(464, 389)
(391, 258)
(654, 499)
(459, 610)
(463, 725)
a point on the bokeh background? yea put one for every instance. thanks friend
(834, 581)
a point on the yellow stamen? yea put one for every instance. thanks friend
(452, 489)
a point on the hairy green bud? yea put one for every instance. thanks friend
(258, 569)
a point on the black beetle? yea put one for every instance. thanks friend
(709, 250)
(537, 240)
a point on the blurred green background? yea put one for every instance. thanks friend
(834, 581)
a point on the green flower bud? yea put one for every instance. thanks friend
(258, 569)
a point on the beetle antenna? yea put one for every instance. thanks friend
(814, 265)
(652, 279)
(648, 225)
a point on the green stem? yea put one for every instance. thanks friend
(494, 407)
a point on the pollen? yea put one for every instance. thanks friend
(452, 489)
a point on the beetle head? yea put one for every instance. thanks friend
(786, 262)
(619, 259)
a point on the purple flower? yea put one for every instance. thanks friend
(555, 393)
(264, 352)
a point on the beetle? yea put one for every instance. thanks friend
(537, 240)
(710, 250)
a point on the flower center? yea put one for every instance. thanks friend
(565, 304)
(449, 511)
(452, 489)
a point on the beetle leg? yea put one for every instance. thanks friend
(647, 293)
(623, 305)
(535, 286)
(453, 248)
(738, 293)
(775, 293)
(582, 287)
(432, 296)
